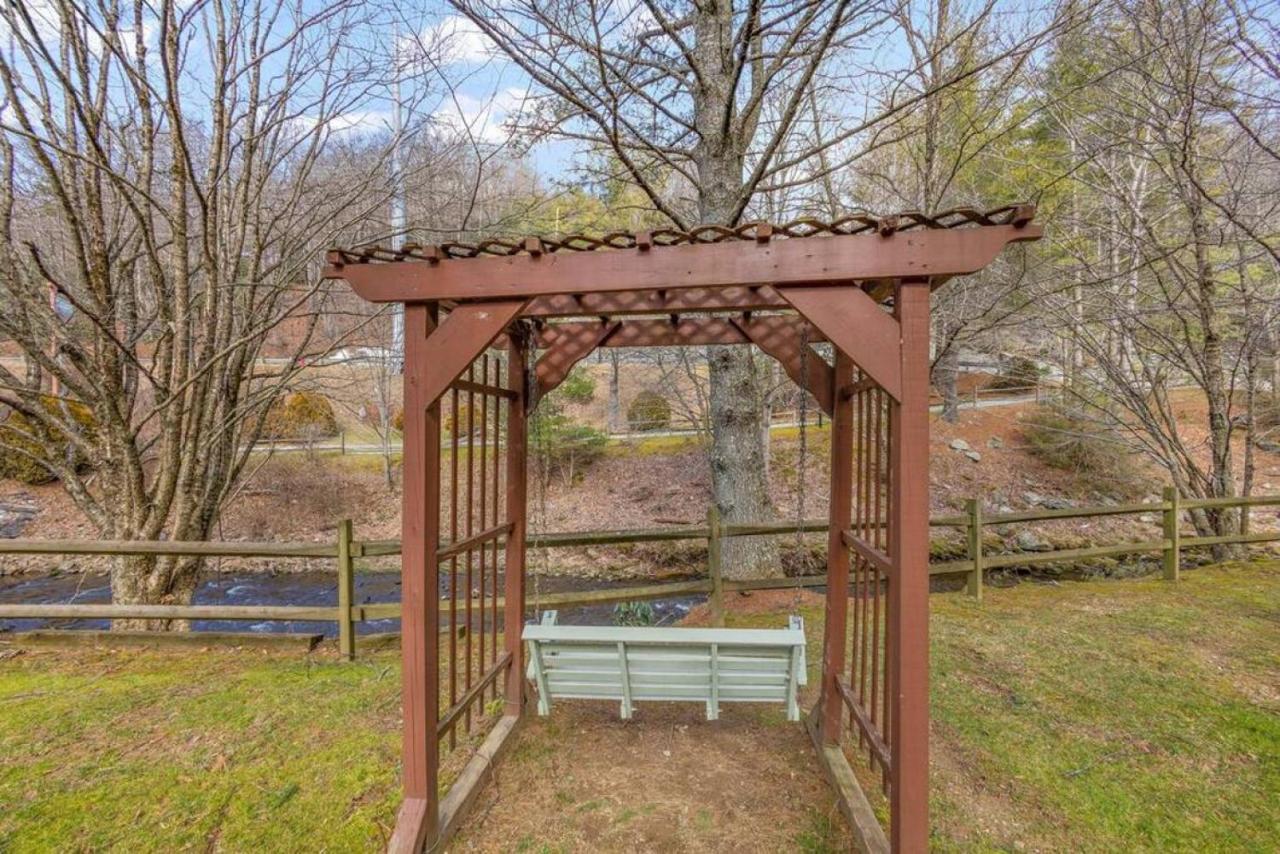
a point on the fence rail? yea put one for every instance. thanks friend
(345, 551)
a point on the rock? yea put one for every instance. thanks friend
(15, 512)
(958, 445)
(1055, 504)
(973, 455)
(995, 442)
(1004, 530)
(1004, 508)
(1147, 517)
(1027, 541)
(1032, 498)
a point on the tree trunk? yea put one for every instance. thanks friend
(615, 393)
(154, 580)
(738, 481)
(945, 376)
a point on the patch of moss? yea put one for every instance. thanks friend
(29, 444)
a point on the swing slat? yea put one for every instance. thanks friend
(630, 664)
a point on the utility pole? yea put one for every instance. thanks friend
(397, 207)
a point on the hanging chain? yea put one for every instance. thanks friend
(802, 456)
(543, 455)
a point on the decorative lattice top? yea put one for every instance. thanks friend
(856, 223)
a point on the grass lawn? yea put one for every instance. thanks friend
(1109, 715)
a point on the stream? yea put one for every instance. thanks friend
(296, 588)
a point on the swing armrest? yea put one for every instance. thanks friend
(548, 619)
(796, 622)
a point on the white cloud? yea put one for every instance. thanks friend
(484, 119)
(457, 41)
(47, 20)
(353, 121)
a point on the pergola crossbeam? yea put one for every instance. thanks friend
(819, 260)
(681, 332)
(660, 301)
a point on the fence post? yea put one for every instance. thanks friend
(974, 508)
(713, 565)
(1174, 542)
(346, 589)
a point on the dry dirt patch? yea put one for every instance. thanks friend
(584, 780)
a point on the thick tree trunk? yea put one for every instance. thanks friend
(153, 580)
(738, 481)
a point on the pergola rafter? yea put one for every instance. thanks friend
(861, 283)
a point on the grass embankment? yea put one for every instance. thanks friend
(1110, 715)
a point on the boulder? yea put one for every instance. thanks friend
(1027, 541)
(958, 445)
(973, 455)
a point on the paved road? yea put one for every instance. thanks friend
(375, 448)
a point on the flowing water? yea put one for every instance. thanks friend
(294, 588)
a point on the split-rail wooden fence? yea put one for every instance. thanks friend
(345, 551)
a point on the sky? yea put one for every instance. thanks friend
(487, 89)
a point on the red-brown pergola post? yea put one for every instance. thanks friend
(517, 485)
(839, 517)
(908, 615)
(419, 589)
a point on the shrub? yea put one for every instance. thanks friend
(300, 415)
(27, 441)
(633, 614)
(649, 411)
(1069, 440)
(564, 447)
(1017, 372)
(578, 387)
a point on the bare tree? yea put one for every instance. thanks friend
(172, 171)
(1173, 193)
(703, 105)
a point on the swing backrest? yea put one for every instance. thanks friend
(633, 664)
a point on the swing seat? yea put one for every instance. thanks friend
(632, 665)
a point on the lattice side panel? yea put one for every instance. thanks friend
(867, 690)
(474, 528)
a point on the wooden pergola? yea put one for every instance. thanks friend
(861, 283)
